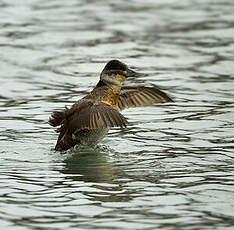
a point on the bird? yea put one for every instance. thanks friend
(90, 118)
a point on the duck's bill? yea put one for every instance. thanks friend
(132, 73)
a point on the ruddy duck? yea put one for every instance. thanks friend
(91, 117)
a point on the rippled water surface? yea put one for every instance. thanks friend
(172, 168)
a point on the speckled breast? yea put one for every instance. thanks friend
(91, 136)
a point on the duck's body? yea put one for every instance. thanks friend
(91, 117)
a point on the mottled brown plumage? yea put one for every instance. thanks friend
(91, 117)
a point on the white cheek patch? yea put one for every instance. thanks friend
(111, 79)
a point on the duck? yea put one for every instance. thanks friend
(90, 118)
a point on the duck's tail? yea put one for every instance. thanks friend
(65, 140)
(57, 118)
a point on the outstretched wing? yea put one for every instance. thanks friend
(136, 96)
(83, 115)
(94, 115)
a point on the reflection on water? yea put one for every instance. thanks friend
(172, 168)
(88, 165)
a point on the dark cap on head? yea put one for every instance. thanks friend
(118, 66)
(115, 65)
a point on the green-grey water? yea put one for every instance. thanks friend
(171, 168)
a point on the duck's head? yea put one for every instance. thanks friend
(115, 72)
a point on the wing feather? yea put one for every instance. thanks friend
(136, 96)
(94, 115)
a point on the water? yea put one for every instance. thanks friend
(172, 168)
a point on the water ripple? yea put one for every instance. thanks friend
(171, 167)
